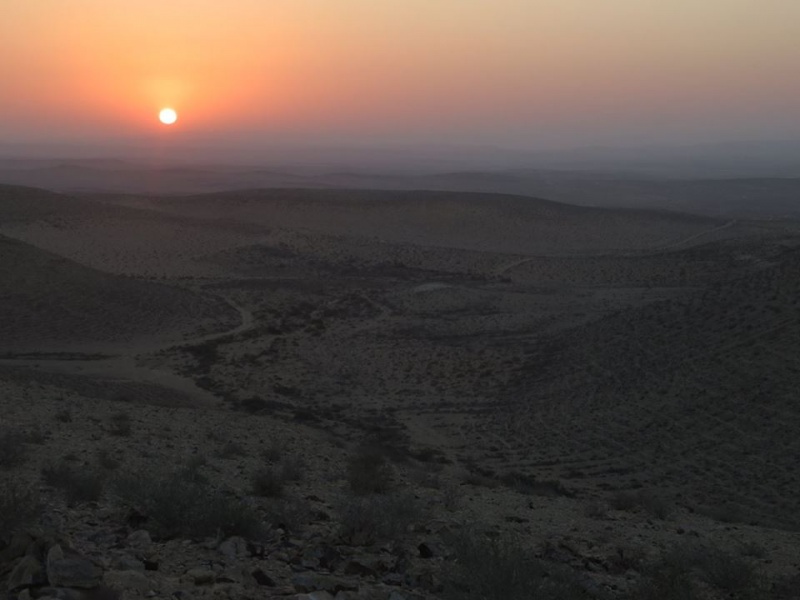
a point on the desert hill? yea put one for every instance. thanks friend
(484, 222)
(50, 302)
(693, 395)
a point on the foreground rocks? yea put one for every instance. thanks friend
(134, 566)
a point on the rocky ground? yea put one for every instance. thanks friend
(312, 411)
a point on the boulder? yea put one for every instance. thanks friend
(27, 572)
(71, 570)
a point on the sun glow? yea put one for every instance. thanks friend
(167, 116)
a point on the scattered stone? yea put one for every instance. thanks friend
(28, 572)
(315, 596)
(306, 583)
(201, 576)
(16, 548)
(127, 563)
(262, 578)
(72, 570)
(233, 548)
(140, 539)
(129, 580)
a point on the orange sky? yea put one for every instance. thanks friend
(516, 72)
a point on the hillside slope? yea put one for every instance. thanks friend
(47, 301)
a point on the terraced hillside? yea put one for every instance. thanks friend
(694, 396)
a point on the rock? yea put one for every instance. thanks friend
(315, 596)
(357, 567)
(129, 580)
(262, 578)
(127, 563)
(233, 548)
(140, 539)
(201, 576)
(71, 570)
(28, 572)
(306, 583)
(394, 579)
(59, 593)
(16, 548)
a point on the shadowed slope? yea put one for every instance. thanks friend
(486, 222)
(46, 299)
(697, 395)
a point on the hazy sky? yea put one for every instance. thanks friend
(521, 73)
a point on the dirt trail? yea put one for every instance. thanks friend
(123, 367)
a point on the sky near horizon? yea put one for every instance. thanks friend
(516, 73)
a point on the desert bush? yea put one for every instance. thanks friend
(651, 502)
(368, 471)
(177, 505)
(293, 468)
(232, 449)
(451, 496)
(377, 518)
(289, 514)
(12, 449)
(678, 574)
(267, 482)
(106, 460)
(120, 424)
(78, 484)
(18, 508)
(274, 451)
(35, 436)
(64, 416)
(503, 569)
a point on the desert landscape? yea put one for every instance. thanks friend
(395, 394)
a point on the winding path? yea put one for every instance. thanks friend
(123, 367)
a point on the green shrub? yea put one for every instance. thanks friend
(177, 505)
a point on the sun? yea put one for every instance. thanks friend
(167, 116)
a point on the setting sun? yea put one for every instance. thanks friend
(167, 116)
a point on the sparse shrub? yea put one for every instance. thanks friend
(177, 507)
(368, 472)
(64, 416)
(274, 451)
(651, 502)
(451, 496)
(289, 514)
(120, 424)
(595, 510)
(78, 485)
(232, 449)
(18, 507)
(35, 436)
(293, 468)
(106, 459)
(503, 569)
(678, 573)
(12, 449)
(377, 518)
(267, 482)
